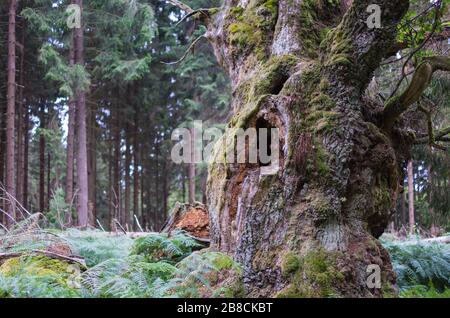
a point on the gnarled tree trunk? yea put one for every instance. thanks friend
(302, 66)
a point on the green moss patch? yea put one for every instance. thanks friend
(249, 26)
(315, 275)
(35, 265)
(39, 276)
(290, 264)
(338, 46)
(313, 16)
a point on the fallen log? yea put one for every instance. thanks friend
(73, 259)
(440, 240)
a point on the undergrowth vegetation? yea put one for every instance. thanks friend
(100, 264)
(155, 265)
(423, 270)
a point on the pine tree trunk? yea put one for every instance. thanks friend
(191, 182)
(127, 176)
(20, 123)
(116, 170)
(165, 212)
(3, 120)
(92, 163)
(25, 155)
(136, 164)
(310, 229)
(404, 209)
(144, 217)
(70, 138)
(11, 113)
(110, 183)
(433, 226)
(183, 181)
(156, 188)
(146, 187)
(49, 186)
(82, 170)
(42, 147)
(191, 172)
(411, 197)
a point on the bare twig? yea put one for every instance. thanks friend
(120, 226)
(138, 224)
(8, 215)
(180, 5)
(190, 48)
(4, 227)
(13, 199)
(100, 225)
(69, 219)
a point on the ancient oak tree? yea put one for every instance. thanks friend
(303, 66)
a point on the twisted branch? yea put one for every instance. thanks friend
(435, 136)
(423, 75)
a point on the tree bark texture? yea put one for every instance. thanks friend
(82, 169)
(192, 171)
(20, 122)
(11, 113)
(70, 138)
(42, 146)
(411, 197)
(126, 210)
(136, 151)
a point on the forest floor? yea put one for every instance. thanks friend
(37, 262)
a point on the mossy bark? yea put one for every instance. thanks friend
(302, 66)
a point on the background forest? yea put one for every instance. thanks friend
(140, 70)
(134, 102)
